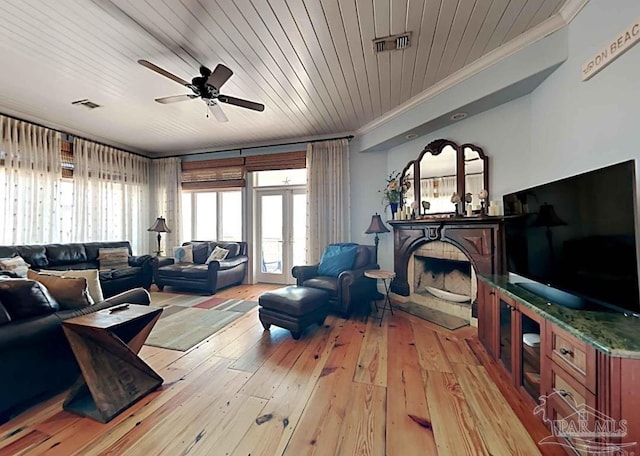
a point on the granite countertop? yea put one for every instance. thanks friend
(610, 332)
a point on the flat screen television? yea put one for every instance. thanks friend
(573, 241)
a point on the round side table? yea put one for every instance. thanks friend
(386, 277)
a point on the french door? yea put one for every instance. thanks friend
(281, 232)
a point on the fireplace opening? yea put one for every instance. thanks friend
(446, 279)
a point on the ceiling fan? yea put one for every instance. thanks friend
(206, 86)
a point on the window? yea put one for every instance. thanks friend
(214, 216)
(283, 177)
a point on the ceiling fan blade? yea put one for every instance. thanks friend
(219, 76)
(174, 98)
(240, 102)
(163, 72)
(217, 111)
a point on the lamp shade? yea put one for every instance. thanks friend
(376, 225)
(159, 226)
(547, 217)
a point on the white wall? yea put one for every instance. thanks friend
(565, 126)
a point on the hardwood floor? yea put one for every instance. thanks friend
(350, 387)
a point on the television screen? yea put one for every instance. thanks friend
(575, 239)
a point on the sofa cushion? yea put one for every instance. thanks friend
(201, 251)
(125, 272)
(16, 264)
(113, 258)
(35, 255)
(91, 275)
(186, 271)
(337, 258)
(329, 284)
(59, 254)
(24, 298)
(183, 253)
(218, 254)
(71, 293)
(232, 247)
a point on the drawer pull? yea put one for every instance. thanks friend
(492, 293)
(565, 352)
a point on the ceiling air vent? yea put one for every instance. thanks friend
(86, 103)
(392, 43)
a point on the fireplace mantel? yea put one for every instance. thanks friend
(480, 238)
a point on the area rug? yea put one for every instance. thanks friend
(187, 320)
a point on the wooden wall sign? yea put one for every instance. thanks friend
(616, 47)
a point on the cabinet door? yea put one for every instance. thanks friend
(487, 326)
(506, 331)
(530, 346)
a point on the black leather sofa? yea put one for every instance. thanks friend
(200, 276)
(85, 256)
(35, 356)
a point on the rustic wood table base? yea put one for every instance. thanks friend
(106, 344)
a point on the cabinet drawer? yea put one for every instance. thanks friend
(570, 391)
(564, 423)
(574, 355)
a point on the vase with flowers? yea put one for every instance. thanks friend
(394, 190)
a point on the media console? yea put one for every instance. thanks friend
(575, 369)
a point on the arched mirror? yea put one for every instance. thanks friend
(438, 179)
(442, 169)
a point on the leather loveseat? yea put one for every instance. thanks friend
(35, 356)
(62, 257)
(200, 276)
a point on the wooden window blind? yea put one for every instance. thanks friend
(206, 174)
(231, 172)
(271, 162)
(66, 159)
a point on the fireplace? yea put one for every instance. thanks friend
(436, 262)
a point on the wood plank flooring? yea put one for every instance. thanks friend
(349, 387)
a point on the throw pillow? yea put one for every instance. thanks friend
(91, 275)
(71, 293)
(218, 254)
(337, 258)
(15, 264)
(183, 254)
(25, 298)
(113, 258)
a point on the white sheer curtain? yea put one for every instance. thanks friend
(327, 196)
(111, 195)
(166, 201)
(30, 176)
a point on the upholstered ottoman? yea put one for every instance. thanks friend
(293, 308)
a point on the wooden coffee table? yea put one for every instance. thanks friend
(106, 345)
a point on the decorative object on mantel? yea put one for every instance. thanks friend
(483, 195)
(442, 168)
(393, 191)
(159, 226)
(376, 226)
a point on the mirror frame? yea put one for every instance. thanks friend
(435, 148)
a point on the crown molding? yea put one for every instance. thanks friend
(552, 24)
(571, 9)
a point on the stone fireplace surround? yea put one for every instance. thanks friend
(477, 239)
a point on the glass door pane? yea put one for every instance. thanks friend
(506, 315)
(271, 233)
(530, 356)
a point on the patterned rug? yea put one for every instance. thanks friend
(189, 319)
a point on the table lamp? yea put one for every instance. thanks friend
(159, 226)
(376, 226)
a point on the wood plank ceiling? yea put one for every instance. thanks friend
(311, 62)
